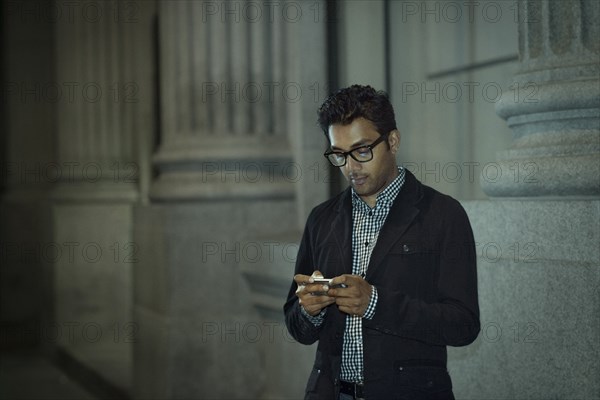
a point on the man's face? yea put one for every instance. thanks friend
(371, 177)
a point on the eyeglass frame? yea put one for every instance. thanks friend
(380, 139)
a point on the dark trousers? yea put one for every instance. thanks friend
(412, 383)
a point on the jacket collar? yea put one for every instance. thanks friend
(411, 193)
(403, 212)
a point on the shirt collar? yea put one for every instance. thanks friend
(387, 195)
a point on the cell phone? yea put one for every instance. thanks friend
(326, 281)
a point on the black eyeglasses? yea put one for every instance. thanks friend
(360, 154)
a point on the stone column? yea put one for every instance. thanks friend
(234, 83)
(223, 128)
(270, 273)
(553, 108)
(104, 96)
(537, 241)
(26, 174)
(225, 174)
(98, 103)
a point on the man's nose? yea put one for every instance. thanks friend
(352, 165)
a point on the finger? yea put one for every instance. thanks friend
(350, 311)
(316, 288)
(347, 280)
(315, 298)
(353, 303)
(312, 289)
(323, 301)
(348, 291)
(337, 293)
(339, 280)
(315, 303)
(302, 279)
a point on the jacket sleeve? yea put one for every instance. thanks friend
(453, 318)
(299, 326)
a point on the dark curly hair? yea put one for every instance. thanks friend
(345, 105)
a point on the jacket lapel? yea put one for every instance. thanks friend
(342, 232)
(401, 215)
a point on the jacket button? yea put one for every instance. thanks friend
(400, 368)
(405, 248)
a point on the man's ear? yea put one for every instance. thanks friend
(394, 140)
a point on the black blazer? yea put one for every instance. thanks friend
(424, 269)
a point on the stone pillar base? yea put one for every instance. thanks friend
(225, 168)
(556, 146)
(199, 335)
(538, 276)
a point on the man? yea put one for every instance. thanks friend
(402, 259)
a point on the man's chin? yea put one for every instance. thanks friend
(360, 190)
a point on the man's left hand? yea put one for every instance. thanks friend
(353, 299)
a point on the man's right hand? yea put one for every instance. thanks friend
(310, 294)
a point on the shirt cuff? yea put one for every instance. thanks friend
(370, 312)
(316, 320)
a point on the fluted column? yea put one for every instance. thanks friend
(553, 107)
(102, 74)
(99, 96)
(223, 132)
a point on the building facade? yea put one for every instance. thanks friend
(159, 160)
